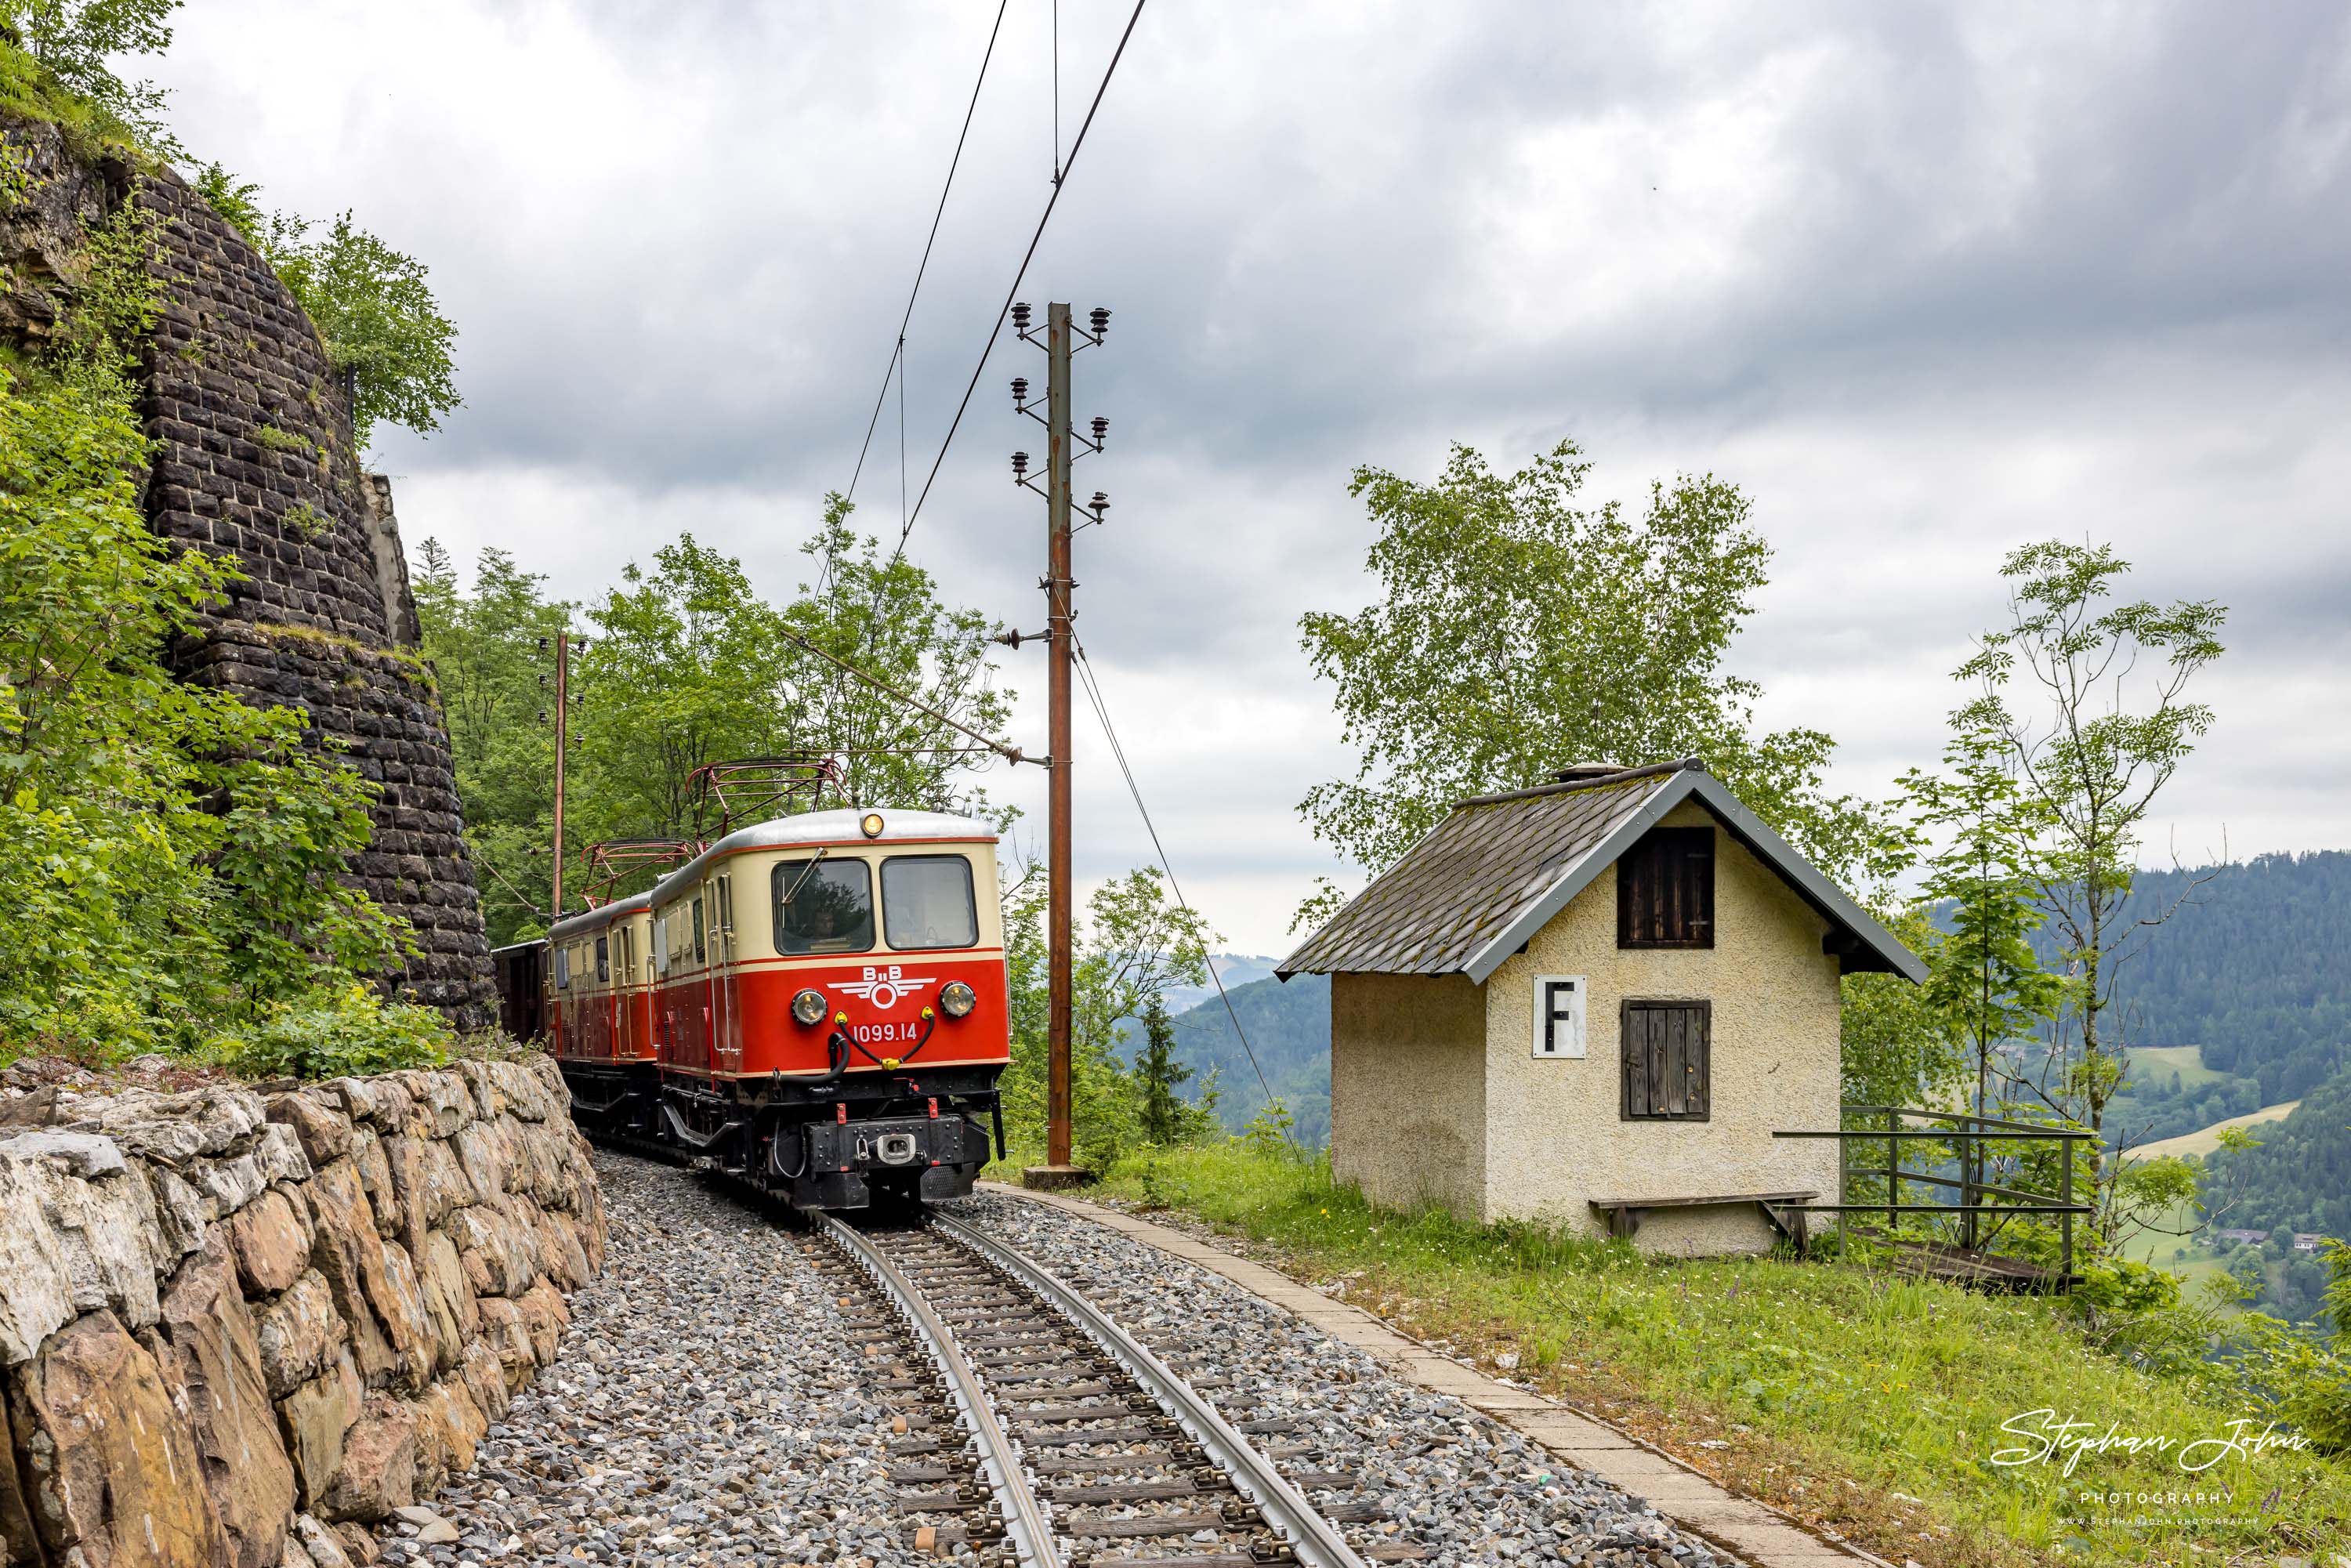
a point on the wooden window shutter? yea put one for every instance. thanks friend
(1667, 1055)
(1665, 890)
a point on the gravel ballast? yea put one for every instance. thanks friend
(1458, 1481)
(705, 1408)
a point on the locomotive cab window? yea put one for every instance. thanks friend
(700, 954)
(603, 959)
(1665, 890)
(926, 902)
(823, 906)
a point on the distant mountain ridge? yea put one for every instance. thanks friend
(2254, 968)
(1235, 969)
(1287, 1026)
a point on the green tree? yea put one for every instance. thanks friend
(886, 616)
(689, 664)
(374, 307)
(2056, 686)
(1985, 976)
(1897, 1045)
(491, 652)
(376, 313)
(76, 42)
(687, 668)
(171, 859)
(1516, 633)
(1134, 944)
(1167, 1117)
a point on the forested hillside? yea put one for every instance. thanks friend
(1289, 1026)
(2256, 968)
(2300, 1175)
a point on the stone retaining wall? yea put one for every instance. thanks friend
(236, 1327)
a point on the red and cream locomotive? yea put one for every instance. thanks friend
(816, 1003)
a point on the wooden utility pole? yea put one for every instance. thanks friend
(1058, 619)
(1060, 339)
(562, 718)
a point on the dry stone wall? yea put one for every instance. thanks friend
(237, 1327)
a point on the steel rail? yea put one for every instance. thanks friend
(1316, 1541)
(1025, 1524)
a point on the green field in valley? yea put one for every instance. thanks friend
(2155, 1064)
(2204, 1140)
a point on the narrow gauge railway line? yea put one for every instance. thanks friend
(1037, 1432)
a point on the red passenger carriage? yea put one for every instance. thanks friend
(817, 1002)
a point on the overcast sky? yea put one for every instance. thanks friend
(1925, 283)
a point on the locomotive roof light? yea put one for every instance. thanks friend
(958, 999)
(870, 824)
(808, 1007)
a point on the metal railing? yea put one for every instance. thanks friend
(1966, 1134)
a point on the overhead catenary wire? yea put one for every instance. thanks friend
(898, 351)
(996, 327)
(1118, 753)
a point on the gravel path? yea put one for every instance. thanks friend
(703, 1410)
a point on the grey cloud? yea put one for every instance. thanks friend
(1926, 281)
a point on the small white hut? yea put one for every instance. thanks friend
(1517, 1034)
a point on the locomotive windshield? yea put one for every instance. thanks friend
(823, 906)
(926, 902)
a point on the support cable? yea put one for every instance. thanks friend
(898, 352)
(995, 328)
(1118, 752)
(1009, 752)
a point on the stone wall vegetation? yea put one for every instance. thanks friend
(255, 459)
(242, 1324)
(132, 304)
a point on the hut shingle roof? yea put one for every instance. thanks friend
(1483, 881)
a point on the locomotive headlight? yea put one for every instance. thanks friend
(808, 1007)
(958, 999)
(871, 824)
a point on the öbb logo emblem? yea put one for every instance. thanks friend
(883, 987)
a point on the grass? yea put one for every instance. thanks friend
(2204, 1140)
(2155, 1065)
(1852, 1397)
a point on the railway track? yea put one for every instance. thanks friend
(1032, 1430)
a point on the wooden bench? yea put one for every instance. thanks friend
(1621, 1216)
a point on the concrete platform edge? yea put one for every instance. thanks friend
(1757, 1532)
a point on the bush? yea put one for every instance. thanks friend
(340, 1032)
(2293, 1376)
